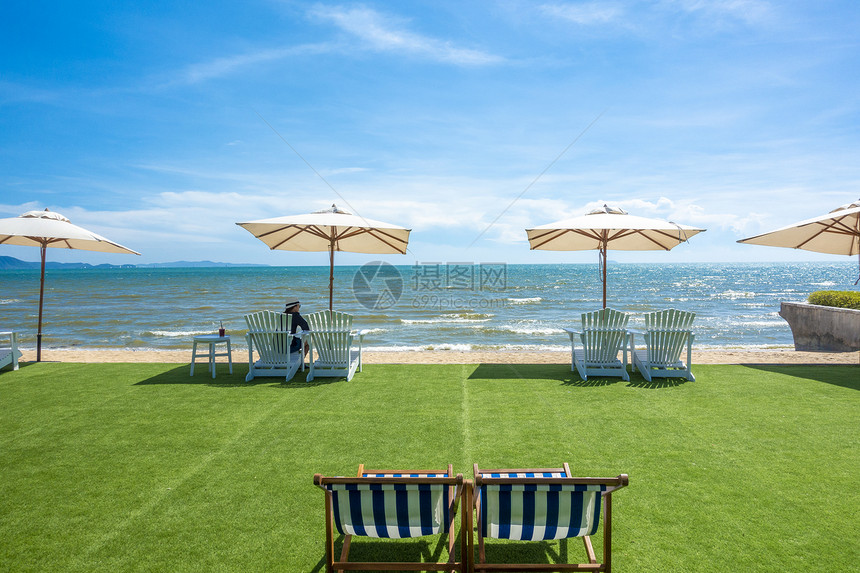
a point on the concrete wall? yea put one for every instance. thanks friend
(822, 328)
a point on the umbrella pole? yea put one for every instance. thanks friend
(603, 255)
(41, 301)
(331, 276)
(604, 277)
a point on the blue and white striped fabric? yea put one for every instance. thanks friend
(527, 474)
(535, 512)
(390, 510)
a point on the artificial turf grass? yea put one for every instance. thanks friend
(142, 467)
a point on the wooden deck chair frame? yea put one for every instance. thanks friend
(10, 354)
(331, 341)
(667, 333)
(602, 336)
(529, 478)
(269, 333)
(457, 495)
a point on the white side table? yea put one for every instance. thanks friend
(210, 340)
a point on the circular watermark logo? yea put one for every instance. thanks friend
(377, 285)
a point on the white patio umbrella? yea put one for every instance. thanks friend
(329, 230)
(609, 228)
(836, 233)
(46, 229)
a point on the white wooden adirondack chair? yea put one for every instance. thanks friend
(269, 334)
(603, 335)
(331, 338)
(666, 334)
(10, 354)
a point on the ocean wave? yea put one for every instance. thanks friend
(375, 330)
(420, 348)
(757, 323)
(472, 348)
(529, 329)
(528, 300)
(177, 333)
(450, 347)
(9, 300)
(734, 294)
(450, 318)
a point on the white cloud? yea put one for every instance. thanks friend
(748, 11)
(386, 34)
(586, 13)
(224, 66)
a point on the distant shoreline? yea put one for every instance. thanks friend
(15, 264)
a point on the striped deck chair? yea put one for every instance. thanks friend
(332, 340)
(10, 354)
(398, 505)
(603, 335)
(542, 505)
(666, 334)
(269, 334)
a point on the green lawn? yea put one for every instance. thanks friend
(107, 467)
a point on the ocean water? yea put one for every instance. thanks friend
(441, 306)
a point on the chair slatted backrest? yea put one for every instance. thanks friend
(395, 504)
(544, 505)
(669, 319)
(605, 319)
(602, 345)
(408, 505)
(270, 335)
(604, 332)
(531, 506)
(332, 335)
(666, 334)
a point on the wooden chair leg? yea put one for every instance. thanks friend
(589, 549)
(344, 554)
(329, 537)
(466, 529)
(481, 555)
(607, 532)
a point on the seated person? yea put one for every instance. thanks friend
(292, 308)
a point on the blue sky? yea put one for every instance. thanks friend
(161, 124)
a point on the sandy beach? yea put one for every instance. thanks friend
(727, 356)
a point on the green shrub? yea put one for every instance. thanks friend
(837, 298)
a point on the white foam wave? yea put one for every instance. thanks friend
(9, 300)
(758, 323)
(416, 348)
(473, 347)
(375, 330)
(453, 319)
(530, 329)
(448, 346)
(178, 333)
(525, 300)
(734, 294)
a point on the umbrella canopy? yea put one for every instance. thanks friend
(46, 229)
(609, 228)
(835, 233)
(329, 230)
